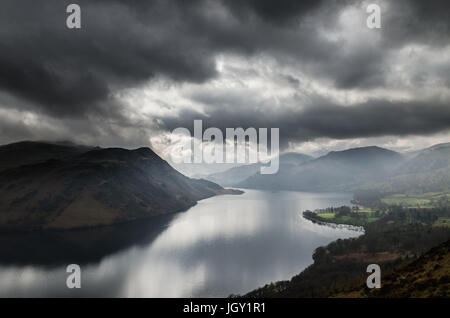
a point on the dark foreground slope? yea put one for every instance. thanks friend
(393, 242)
(428, 276)
(99, 187)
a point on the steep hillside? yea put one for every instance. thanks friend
(99, 187)
(428, 276)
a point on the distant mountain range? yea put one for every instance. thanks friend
(53, 186)
(237, 175)
(350, 170)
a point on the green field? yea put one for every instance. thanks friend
(442, 221)
(424, 200)
(359, 218)
(327, 215)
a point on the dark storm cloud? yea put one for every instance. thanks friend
(417, 21)
(279, 12)
(124, 43)
(363, 68)
(370, 119)
(68, 72)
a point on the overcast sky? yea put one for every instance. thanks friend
(138, 69)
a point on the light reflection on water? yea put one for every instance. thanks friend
(223, 245)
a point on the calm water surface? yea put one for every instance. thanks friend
(224, 245)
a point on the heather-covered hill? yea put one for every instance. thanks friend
(98, 187)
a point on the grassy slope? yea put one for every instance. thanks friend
(428, 276)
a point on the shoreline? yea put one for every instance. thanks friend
(333, 224)
(5, 230)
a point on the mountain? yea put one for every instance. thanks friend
(336, 171)
(98, 187)
(236, 175)
(29, 152)
(433, 158)
(294, 158)
(414, 153)
(427, 170)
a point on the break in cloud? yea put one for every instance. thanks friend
(136, 70)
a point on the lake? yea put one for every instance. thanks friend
(224, 245)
